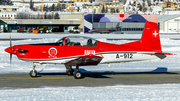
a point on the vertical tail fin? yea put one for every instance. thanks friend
(150, 39)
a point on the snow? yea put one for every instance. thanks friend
(165, 92)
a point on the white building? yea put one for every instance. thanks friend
(169, 23)
(8, 15)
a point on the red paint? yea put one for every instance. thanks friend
(121, 15)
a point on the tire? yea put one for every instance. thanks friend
(33, 73)
(70, 72)
(78, 75)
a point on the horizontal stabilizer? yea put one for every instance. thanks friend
(169, 54)
(153, 53)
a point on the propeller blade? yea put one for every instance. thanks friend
(12, 49)
(10, 41)
(10, 58)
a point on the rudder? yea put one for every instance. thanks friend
(150, 39)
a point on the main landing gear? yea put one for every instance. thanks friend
(33, 73)
(69, 71)
(77, 74)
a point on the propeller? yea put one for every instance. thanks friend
(12, 48)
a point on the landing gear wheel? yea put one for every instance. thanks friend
(69, 72)
(77, 75)
(33, 73)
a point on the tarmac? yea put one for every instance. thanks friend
(23, 80)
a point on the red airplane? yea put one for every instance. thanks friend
(82, 51)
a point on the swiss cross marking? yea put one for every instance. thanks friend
(155, 33)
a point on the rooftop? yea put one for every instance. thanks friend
(162, 18)
(7, 6)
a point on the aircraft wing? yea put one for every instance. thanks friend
(85, 60)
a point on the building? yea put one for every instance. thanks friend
(7, 15)
(169, 23)
(93, 8)
(106, 0)
(130, 24)
(57, 25)
(81, 0)
(170, 5)
(72, 9)
(114, 7)
(8, 8)
(111, 7)
(66, 4)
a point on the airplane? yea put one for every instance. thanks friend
(84, 51)
(107, 30)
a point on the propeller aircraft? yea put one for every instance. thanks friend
(83, 51)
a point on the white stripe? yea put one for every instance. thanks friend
(88, 24)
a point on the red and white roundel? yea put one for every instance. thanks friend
(52, 51)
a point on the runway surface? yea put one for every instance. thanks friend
(23, 80)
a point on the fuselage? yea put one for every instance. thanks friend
(85, 50)
(61, 54)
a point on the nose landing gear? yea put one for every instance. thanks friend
(33, 73)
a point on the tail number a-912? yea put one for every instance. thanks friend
(125, 56)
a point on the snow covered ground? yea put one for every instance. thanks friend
(160, 92)
(165, 92)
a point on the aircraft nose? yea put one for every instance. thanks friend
(10, 50)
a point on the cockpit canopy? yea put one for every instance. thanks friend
(77, 41)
